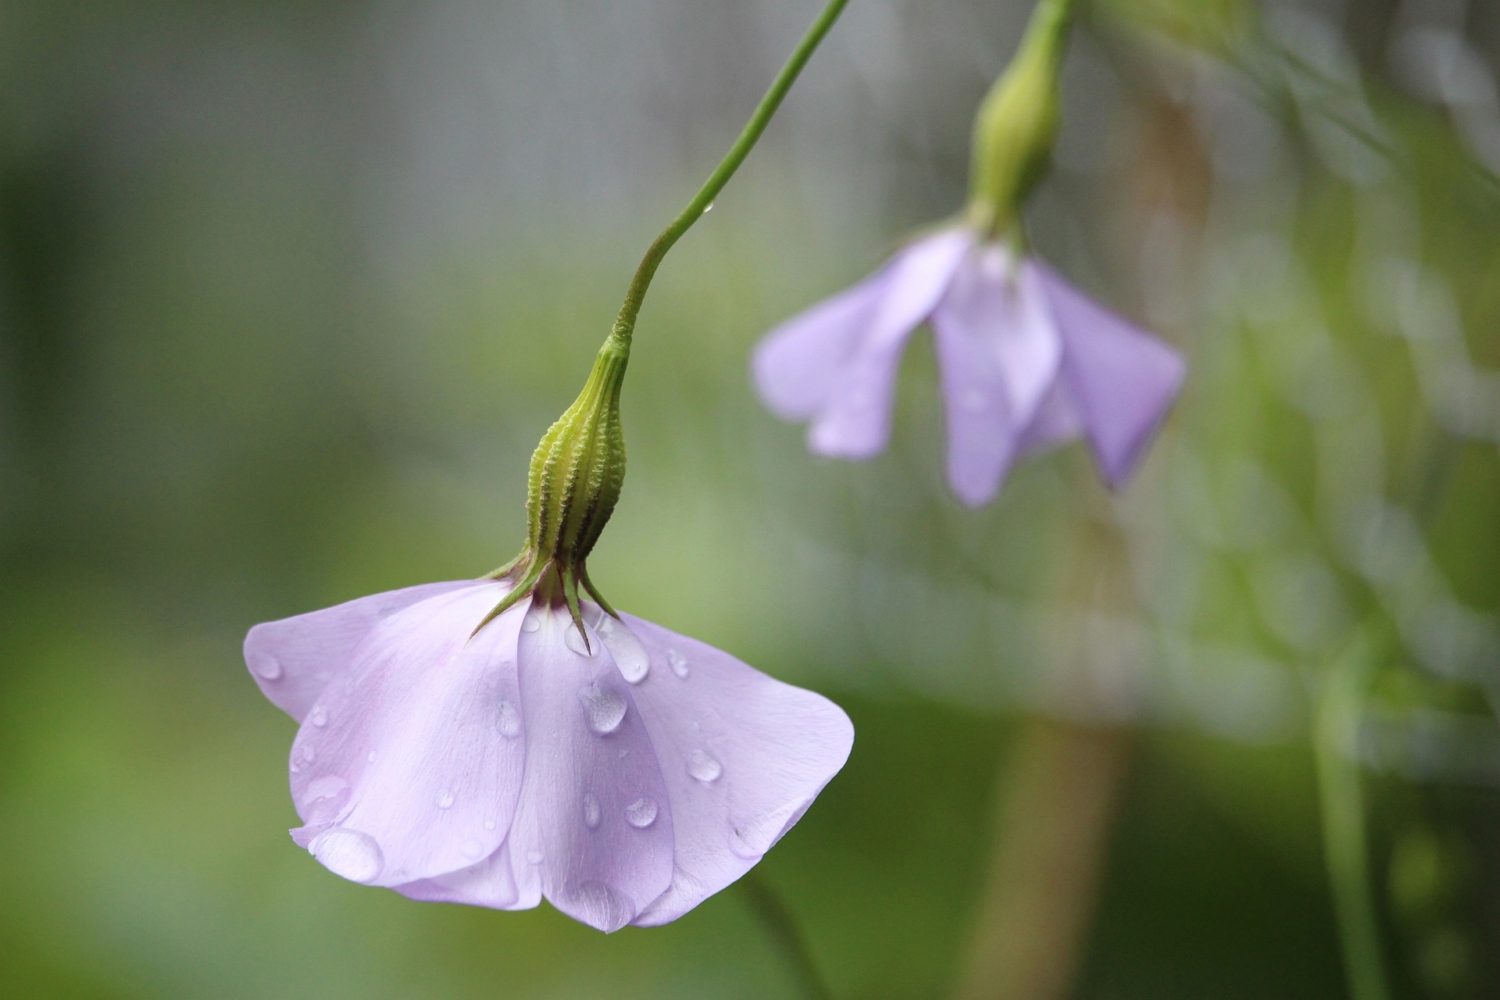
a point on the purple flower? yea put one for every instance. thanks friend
(625, 780)
(1027, 361)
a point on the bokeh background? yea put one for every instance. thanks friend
(289, 290)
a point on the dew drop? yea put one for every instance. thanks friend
(533, 857)
(574, 640)
(308, 753)
(472, 849)
(349, 853)
(703, 766)
(625, 649)
(603, 708)
(372, 756)
(531, 622)
(591, 811)
(327, 787)
(444, 799)
(319, 717)
(641, 813)
(489, 824)
(677, 662)
(296, 767)
(267, 667)
(602, 907)
(708, 208)
(508, 720)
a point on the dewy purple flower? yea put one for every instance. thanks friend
(1026, 360)
(626, 779)
(501, 740)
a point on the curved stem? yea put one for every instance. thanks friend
(625, 322)
(1344, 843)
(1056, 800)
(773, 914)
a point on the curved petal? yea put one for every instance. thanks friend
(490, 883)
(743, 756)
(999, 354)
(1056, 420)
(411, 767)
(1122, 380)
(294, 659)
(797, 364)
(593, 831)
(855, 419)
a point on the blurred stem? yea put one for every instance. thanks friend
(1345, 847)
(703, 200)
(767, 906)
(1054, 808)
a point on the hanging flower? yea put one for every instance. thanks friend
(501, 740)
(622, 771)
(1026, 361)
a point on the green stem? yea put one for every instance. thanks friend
(625, 322)
(773, 914)
(1344, 843)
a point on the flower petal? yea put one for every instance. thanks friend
(294, 659)
(490, 883)
(593, 831)
(855, 420)
(836, 363)
(743, 756)
(1123, 380)
(797, 364)
(1056, 420)
(999, 354)
(411, 767)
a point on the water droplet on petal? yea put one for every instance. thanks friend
(319, 716)
(574, 640)
(703, 766)
(531, 622)
(603, 907)
(489, 824)
(472, 849)
(591, 811)
(508, 720)
(349, 853)
(372, 756)
(603, 707)
(267, 667)
(533, 857)
(641, 813)
(308, 753)
(444, 799)
(677, 662)
(326, 787)
(626, 650)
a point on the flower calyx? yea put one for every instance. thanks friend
(1017, 123)
(571, 491)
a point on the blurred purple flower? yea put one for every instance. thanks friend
(1026, 360)
(625, 785)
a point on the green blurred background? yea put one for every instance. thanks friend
(288, 292)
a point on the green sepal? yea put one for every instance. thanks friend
(1017, 123)
(573, 485)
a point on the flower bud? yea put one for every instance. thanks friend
(572, 488)
(1017, 123)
